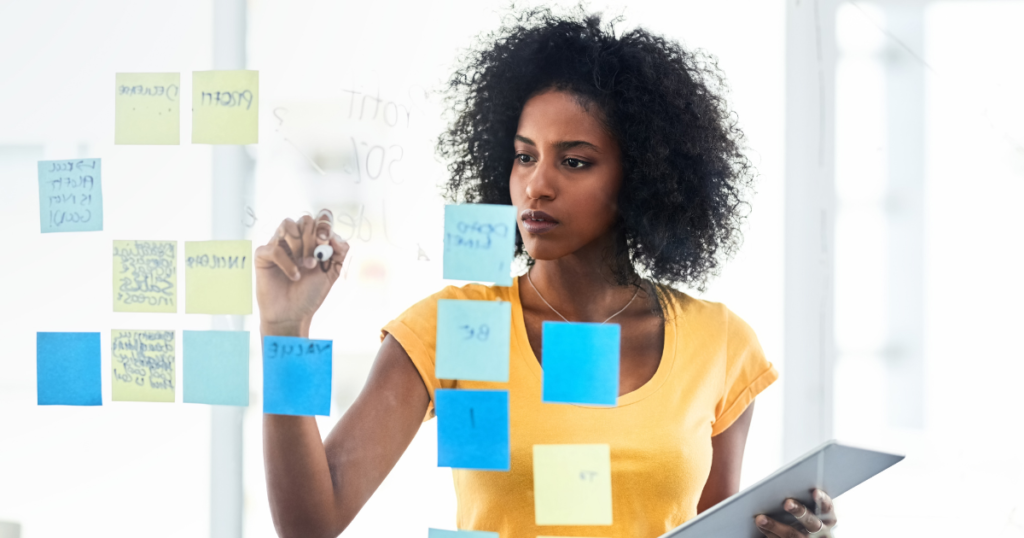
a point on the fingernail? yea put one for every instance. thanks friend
(761, 521)
(309, 263)
(323, 236)
(790, 505)
(296, 275)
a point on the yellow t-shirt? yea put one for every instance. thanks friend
(711, 368)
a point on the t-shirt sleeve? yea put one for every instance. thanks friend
(416, 331)
(747, 373)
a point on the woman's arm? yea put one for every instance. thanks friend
(726, 462)
(317, 488)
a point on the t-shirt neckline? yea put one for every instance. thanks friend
(650, 387)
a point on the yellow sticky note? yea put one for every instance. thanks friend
(225, 106)
(145, 276)
(143, 365)
(146, 108)
(218, 277)
(572, 484)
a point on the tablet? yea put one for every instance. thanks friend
(832, 467)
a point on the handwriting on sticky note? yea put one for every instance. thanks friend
(479, 242)
(473, 339)
(146, 108)
(438, 533)
(581, 363)
(145, 276)
(215, 367)
(296, 376)
(472, 429)
(143, 365)
(218, 277)
(572, 484)
(70, 196)
(225, 106)
(68, 369)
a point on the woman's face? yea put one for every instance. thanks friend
(566, 176)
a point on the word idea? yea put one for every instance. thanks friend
(581, 363)
(145, 276)
(225, 107)
(70, 196)
(215, 367)
(479, 241)
(146, 108)
(472, 429)
(68, 369)
(572, 484)
(142, 365)
(296, 376)
(473, 339)
(218, 277)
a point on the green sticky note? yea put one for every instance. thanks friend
(218, 277)
(142, 365)
(572, 484)
(225, 107)
(438, 533)
(146, 108)
(145, 276)
(473, 339)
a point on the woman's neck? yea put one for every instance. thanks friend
(580, 289)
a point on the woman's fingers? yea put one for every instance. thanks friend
(276, 254)
(825, 508)
(806, 517)
(308, 228)
(288, 233)
(773, 529)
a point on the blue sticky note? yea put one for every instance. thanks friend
(438, 533)
(472, 429)
(479, 241)
(473, 339)
(296, 376)
(581, 363)
(68, 369)
(70, 196)
(215, 367)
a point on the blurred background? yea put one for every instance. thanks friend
(918, 147)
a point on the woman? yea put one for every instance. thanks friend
(626, 170)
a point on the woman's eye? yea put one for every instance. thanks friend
(523, 158)
(575, 163)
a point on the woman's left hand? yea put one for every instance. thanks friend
(816, 526)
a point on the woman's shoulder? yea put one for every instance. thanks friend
(702, 313)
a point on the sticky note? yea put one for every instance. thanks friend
(472, 429)
(581, 363)
(218, 277)
(68, 369)
(438, 533)
(479, 242)
(572, 484)
(225, 106)
(145, 276)
(142, 363)
(146, 108)
(473, 339)
(70, 196)
(215, 367)
(296, 376)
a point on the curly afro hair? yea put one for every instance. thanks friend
(685, 176)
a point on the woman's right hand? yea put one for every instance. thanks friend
(290, 286)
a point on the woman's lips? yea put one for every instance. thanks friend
(538, 222)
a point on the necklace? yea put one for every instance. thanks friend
(530, 278)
